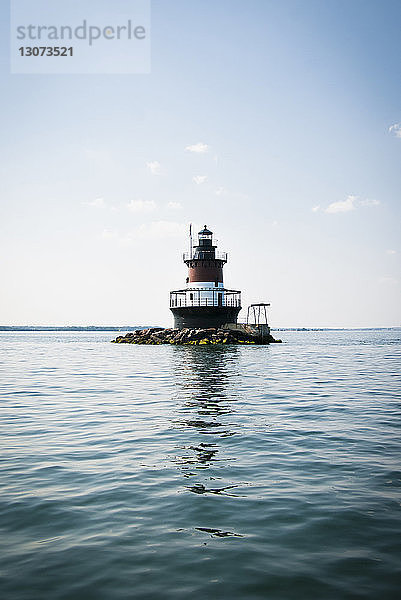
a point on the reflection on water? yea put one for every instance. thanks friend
(201, 489)
(218, 532)
(206, 392)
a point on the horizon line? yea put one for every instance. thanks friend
(147, 326)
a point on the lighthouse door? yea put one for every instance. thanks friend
(220, 299)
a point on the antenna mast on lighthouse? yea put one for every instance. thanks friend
(190, 241)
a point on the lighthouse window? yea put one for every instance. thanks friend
(191, 296)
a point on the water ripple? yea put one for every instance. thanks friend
(168, 472)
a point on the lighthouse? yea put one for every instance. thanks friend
(204, 302)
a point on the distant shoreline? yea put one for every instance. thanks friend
(72, 328)
(90, 328)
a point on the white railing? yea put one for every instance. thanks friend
(205, 297)
(204, 255)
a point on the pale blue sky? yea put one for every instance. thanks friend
(300, 178)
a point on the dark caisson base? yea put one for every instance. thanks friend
(201, 317)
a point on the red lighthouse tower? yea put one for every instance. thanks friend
(205, 302)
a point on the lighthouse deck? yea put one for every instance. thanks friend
(205, 255)
(197, 296)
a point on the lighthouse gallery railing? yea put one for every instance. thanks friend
(205, 297)
(205, 255)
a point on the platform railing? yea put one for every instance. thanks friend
(203, 302)
(205, 297)
(204, 255)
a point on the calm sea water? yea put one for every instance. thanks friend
(194, 472)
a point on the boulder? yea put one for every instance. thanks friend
(195, 337)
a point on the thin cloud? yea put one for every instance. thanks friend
(174, 205)
(316, 208)
(138, 206)
(199, 148)
(368, 202)
(220, 191)
(342, 205)
(349, 204)
(154, 167)
(97, 202)
(199, 179)
(388, 280)
(395, 129)
(109, 234)
(391, 252)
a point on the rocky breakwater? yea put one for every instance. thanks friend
(197, 337)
